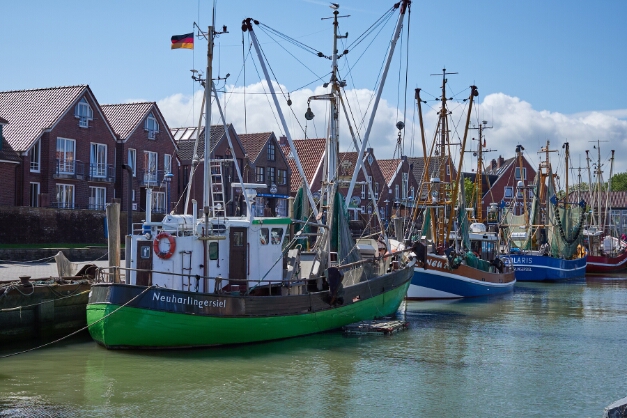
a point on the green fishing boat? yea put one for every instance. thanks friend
(210, 279)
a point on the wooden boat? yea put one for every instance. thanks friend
(453, 262)
(607, 253)
(226, 280)
(546, 240)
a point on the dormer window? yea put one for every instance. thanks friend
(84, 113)
(152, 126)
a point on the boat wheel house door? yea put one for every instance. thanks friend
(144, 263)
(238, 258)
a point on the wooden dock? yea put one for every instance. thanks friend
(376, 327)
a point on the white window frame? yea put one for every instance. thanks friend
(405, 185)
(271, 175)
(363, 209)
(151, 125)
(35, 157)
(65, 195)
(66, 164)
(83, 113)
(271, 152)
(517, 176)
(167, 163)
(369, 184)
(158, 202)
(150, 172)
(448, 170)
(363, 192)
(132, 160)
(97, 198)
(376, 190)
(508, 192)
(281, 177)
(34, 197)
(396, 191)
(260, 176)
(98, 160)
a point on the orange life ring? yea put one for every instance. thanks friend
(155, 245)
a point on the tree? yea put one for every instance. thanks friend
(469, 190)
(619, 182)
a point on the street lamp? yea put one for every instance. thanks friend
(168, 179)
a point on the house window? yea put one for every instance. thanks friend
(65, 155)
(271, 175)
(34, 195)
(530, 193)
(509, 192)
(167, 163)
(376, 190)
(152, 126)
(448, 170)
(369, 209)
(363, 209)
(132, 160)
(281, 207)
(259, 175)
(83, 113)
(35, 157)
(281, 177)
(271, 152)
(98, 160)
(133, 195)
(396, 188)
(517, 173)
(150, 167)
(363, 191)
(97, 198)
(411, 192)
(405, 184)
(158, 202)
(65, 196)
(369, 183)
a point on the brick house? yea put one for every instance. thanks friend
(146, 144)
(505, 186)
(417, 165)
(270, 166)
(401, 185)
(219, 148)
(311, 154)
(66, 147)
(9, 164)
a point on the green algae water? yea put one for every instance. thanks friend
(546, 350)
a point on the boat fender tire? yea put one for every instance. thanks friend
(155, 245)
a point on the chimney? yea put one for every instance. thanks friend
(493, 164)
(501, 161)
(283, 140)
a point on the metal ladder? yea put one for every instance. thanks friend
(217, 188)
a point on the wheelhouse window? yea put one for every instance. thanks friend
(65, 196)
(35, 157)
(271, 152)
(281, 177)
(131, 160)
(83, 113)
(34, 195)
(97, 198)
(263, 236)
(276, 236)
(98, 160)
(259, 175)
(509, 192)
(65, 155)
(151, 126)
(214, 251)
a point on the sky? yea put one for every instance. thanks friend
(544, 70)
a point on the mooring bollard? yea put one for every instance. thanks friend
(616, 410)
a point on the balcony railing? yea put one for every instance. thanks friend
(150, 178)
(101, 172)
(69, 169)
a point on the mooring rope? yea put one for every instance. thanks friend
(80, 330)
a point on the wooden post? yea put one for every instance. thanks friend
(113, 225)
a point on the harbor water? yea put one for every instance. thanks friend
(546, 350)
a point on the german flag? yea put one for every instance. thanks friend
(183, 41)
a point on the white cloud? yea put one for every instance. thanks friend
(514, 122)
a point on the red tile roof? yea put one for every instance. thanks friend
(310, 153)
(389, 168)
(254, 143)
(31, 112)
(126, 117)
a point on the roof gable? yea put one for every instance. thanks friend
(32, 112)
(310, 153)
(254, 143)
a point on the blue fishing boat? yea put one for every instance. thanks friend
(546, 239)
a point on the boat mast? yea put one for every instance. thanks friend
(608, 204)
(479, 176)
(519, 153)
(567, 149)
(404, 5)
(207, 156)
